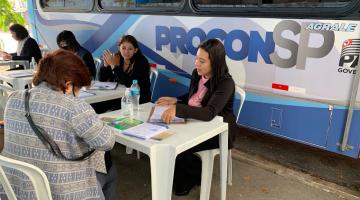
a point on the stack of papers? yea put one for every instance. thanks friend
(97, 85)
(20, 74)
(155, 115)
(84, 94)
(145, 130)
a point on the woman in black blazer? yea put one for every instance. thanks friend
(27, 47)
(211, 93)
(126, 65)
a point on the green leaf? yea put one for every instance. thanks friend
(8, 15)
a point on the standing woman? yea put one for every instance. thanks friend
(66, 40)
(126, 65)
(211, 93)
(27, 47)
(69, 121)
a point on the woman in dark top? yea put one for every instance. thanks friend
(27, 47)
(66, 40)
(126, 65)
(211, 93)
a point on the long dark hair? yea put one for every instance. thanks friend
(20, 31)
(66, 40)
(132, 40)
(217, 54)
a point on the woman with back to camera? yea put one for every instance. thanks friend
(126, 65)
(70, 122)
(211, 93)
(27, 47)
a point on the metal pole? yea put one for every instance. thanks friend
(354, 90)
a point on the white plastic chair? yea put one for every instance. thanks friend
(97, 62)
(36, 176)
(207, 158)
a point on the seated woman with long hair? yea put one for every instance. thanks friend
(211, 93)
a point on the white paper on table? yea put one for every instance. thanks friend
(84, 94)
(157, 113)
(145, 130)
(97, 85)
(20, 74)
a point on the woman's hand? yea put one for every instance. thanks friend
(166, 101)
(5, 55)
(110, 59)
(169, 114)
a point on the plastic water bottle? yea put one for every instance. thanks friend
(32, 63)
(135, 96)
(126, 104)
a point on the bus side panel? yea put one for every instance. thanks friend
(282, 118)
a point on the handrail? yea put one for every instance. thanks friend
(354, 89)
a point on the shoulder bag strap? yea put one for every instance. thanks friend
(46, 139)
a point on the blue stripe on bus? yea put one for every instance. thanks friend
(116, 26)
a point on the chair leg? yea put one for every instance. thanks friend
(229, 175)
(207, 159)
(138, 154)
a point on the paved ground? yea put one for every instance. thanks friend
(253, 179)
(328, 166)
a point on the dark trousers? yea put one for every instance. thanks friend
(188, 165)
(108, 183)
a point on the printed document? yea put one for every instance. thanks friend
(84, 94)
(155, 115)
(145, 130)
(20, 74)
(97, 85)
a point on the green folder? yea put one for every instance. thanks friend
(123, 123)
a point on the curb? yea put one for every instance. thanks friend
(341, 191)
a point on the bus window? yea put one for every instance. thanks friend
(271, 3)
(306, 3)
(67, 4)
(135, 4)
(225, 3)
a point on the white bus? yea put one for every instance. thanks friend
(296, 59)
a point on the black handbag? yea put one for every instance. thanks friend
(46, 139)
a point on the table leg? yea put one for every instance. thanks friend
(223, 163)
(162, 163)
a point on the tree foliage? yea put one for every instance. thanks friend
(8, 15)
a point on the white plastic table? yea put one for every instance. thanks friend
(163, 153)
(17, 83)
(105, 95)
(13, 63)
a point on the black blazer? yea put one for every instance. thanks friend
(88, 59)
(29, 50)
(140, 72)
(218, 100)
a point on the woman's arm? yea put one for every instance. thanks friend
(89, 62)
(30, 49)
(219, 98)
(91, 129)
(106, 74)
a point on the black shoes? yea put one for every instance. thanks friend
(183, 189)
